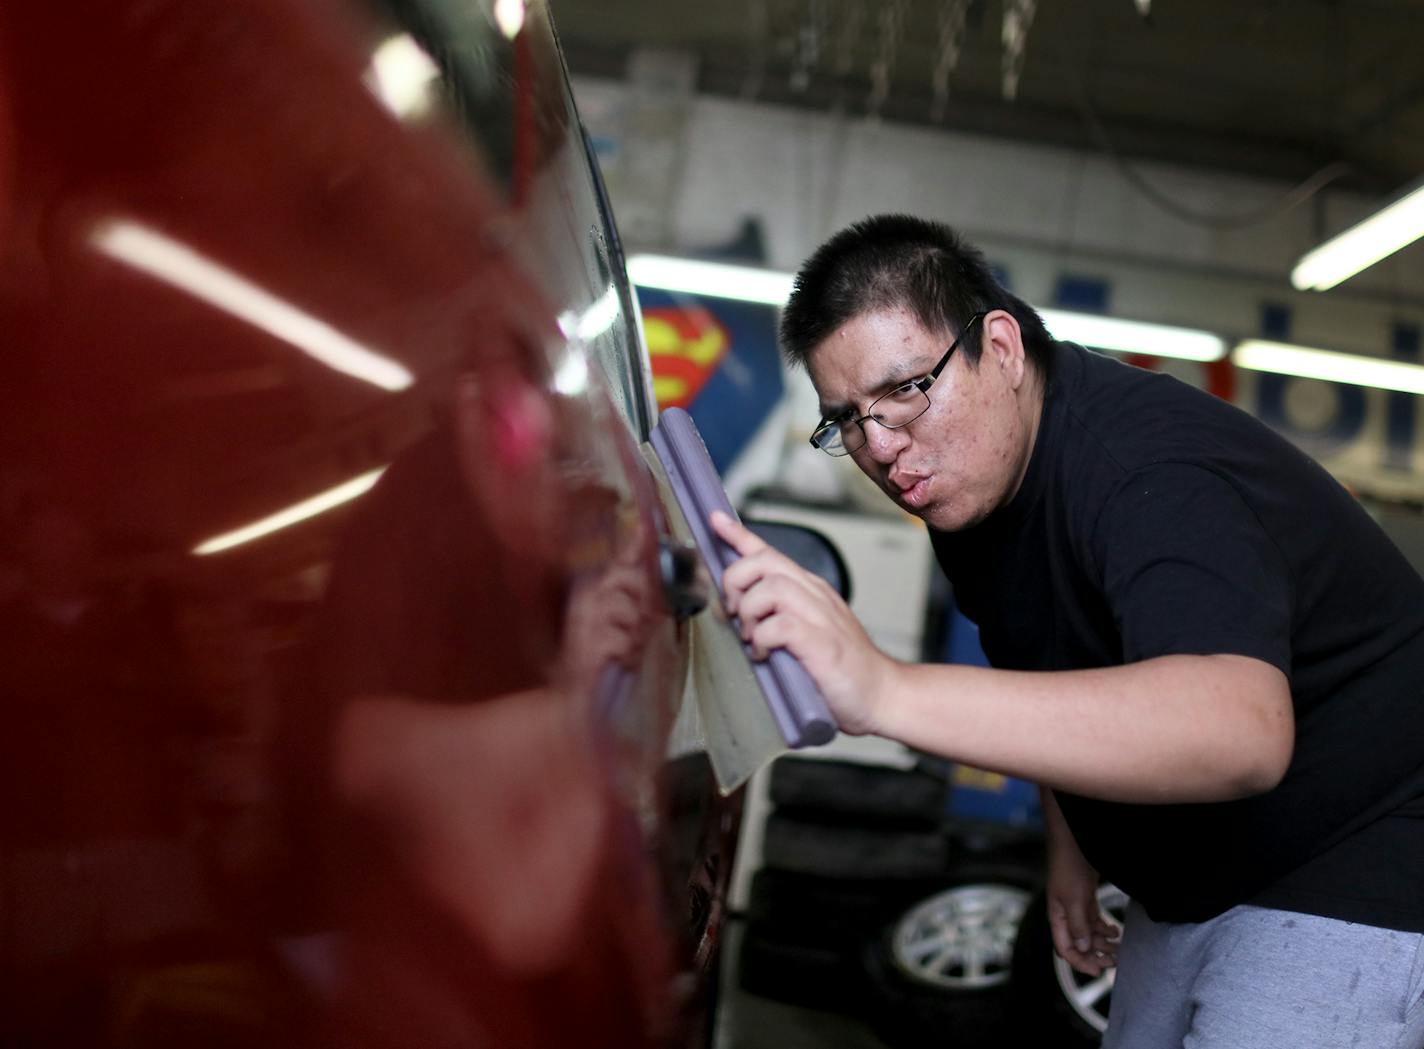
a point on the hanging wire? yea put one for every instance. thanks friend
(758, 32)
(853, 16)
(882, 69)
(950, 21)
(810, 39)
(1018, 18)
(1289, 201)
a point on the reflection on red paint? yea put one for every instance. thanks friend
(390, 769)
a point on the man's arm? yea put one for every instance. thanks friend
(1175, 728)
(1170, 729)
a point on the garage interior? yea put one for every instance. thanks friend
(362, 677)
(1154, 161)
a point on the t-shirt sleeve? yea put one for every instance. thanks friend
(1189, 569)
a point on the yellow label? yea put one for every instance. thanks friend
(978, 779)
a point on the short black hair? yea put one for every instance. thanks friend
(899, 261)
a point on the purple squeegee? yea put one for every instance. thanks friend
(795, 702)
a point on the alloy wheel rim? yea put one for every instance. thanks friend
(962, 938)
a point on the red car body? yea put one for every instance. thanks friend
(336, 674)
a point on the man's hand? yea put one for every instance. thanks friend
(781, 605)
(1083, 936)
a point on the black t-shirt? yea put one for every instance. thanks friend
(1155, 519)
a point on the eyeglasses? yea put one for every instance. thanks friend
(900, 407)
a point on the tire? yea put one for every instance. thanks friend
(852, 792)
(941, 971)
(1057, 1005)
(834, 906)
(836, 913)
(831, 850)
(819, 976)
(805, 936)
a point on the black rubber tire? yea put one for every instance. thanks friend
(787, 969)
(1039, 996)
(806, 936)
(843, 913)
(834, 851)
(905, 1018)
(909, 1013)
(852, 792)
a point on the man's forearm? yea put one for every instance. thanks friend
(1172, 729)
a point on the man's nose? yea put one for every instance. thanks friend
(883, 443)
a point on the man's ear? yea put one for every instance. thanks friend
(1002, 343)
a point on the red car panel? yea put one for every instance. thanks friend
(334, 667)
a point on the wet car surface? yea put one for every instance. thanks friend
(335, 661)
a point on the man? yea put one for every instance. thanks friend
(1204, 650)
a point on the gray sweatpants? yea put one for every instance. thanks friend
(1265, 979)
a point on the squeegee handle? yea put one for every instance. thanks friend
(795, 702)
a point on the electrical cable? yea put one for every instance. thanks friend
(1292, 199)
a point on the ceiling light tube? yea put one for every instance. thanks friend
(751, 284)
(719, 279)
(178, 265)
(1362, 245)
(1124, 336)
(1307, 363)
(294, 514)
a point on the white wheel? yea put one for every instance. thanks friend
(961, 939)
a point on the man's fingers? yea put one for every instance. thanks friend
(773, 632)
(1089, 966)
(1080, 930)
(776, 593)
(1076, 935)
(1089, 945)
(753, 571)
(736, 535)
(1058, 928)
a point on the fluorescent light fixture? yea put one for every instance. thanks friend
(402, 77)
(1362, 245)
(509, 16)
(749, 284)
(177, 264)
(718, 279)
(294, 514)
(1114, 333)
(1262, 356)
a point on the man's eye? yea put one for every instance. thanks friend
(901, 392)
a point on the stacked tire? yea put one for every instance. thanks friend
(867, 904)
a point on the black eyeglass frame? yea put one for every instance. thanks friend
(922, 384)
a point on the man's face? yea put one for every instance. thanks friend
(966, 455)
